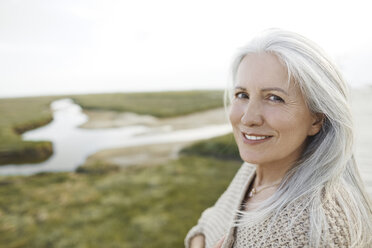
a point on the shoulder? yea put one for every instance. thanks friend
(338, 226)
(215, 221)
(288, 227)
(242, 176)
(235, 189)
(297, 216)
(336, 230)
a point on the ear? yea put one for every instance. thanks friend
(318, 120)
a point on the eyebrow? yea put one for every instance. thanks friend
(264, 89)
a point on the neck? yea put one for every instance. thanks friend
(269, 174)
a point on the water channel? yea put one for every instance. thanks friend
(72, 145)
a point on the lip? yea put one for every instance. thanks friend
(253, 142)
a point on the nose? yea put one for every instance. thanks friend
(252, 115)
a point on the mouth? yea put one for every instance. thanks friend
(254, 138)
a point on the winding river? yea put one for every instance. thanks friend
(72, 145)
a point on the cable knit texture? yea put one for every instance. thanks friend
(217, 221)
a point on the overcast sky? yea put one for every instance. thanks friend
(78, 46)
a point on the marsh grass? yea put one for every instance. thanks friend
(222, 147)
(159, 104)
(17, 116)
(22, 114)
(134, 207)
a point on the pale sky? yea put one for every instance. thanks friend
(85, 46)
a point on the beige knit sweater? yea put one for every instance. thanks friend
(216, 221)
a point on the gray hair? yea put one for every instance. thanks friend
(327, 166)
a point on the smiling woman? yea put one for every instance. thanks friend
(270, 118)
(299, 185)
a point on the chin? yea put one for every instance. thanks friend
(250, 159)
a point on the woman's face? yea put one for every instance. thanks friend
(269, 116)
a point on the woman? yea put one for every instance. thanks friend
(299, 185)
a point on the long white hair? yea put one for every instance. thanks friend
(327, 166)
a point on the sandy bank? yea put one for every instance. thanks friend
(138, 155)
(148, 154)
(112, 119)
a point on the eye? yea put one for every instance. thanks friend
(275, 98)
(241, 95)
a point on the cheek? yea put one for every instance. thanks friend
(291, 126)
(284, 122)
(235, 113)
(277, 118)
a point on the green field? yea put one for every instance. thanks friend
(159, 104)
(134, 207)
(104, 206)
(22, 114)
(17, 116)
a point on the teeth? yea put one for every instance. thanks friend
(255, 137)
